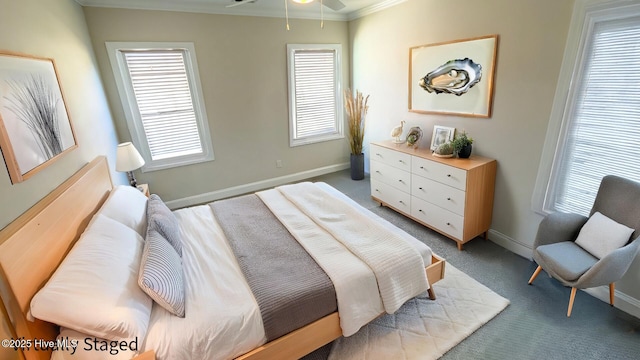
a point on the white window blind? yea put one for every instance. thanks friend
(314, 93)
(162, 91)
(603, 124)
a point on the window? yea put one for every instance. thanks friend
(315, 97)
(160, 92)
(600, 126)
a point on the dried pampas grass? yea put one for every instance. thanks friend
(356, 107)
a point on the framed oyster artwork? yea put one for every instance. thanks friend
(454, 77)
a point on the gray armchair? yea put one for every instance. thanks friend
(555, 251)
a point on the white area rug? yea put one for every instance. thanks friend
(422, 328)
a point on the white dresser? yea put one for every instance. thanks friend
(449, 195)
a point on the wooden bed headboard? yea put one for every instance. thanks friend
(32, 246)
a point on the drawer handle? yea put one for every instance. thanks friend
(448, 175)
(448, 224)
(422, 167)
(378, 171)
(420, 210)
(449, 199)
(420, 188)
(401, 161)
(401, 202)
(377, 190)
(402, 181)
(378, 154)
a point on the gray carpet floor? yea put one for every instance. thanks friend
(534, 325)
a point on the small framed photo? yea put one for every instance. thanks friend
(441, 135)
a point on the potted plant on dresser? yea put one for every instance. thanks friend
(462, 145)
(356, 107)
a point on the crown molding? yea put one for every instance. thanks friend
(373, 9)
(196, 6)
(199, 6)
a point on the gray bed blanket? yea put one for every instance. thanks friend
(289, 286)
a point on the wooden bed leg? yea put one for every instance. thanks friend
(432, 294)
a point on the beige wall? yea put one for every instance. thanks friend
(531, 47)
(532, 37)
(242, 65)
(57, 29)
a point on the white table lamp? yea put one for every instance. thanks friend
(128, 159)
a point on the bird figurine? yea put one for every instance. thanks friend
(396, 132)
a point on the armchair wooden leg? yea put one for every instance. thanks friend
(612, 290)
(535, 274)
(573, 296)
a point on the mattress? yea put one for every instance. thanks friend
(223, 319)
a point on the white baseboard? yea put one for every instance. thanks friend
(511, 244)
(622, 301)
(252, 187)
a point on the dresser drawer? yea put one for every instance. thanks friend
(390, 175)
(437, 217)
(390, 157)
(442, 195)
(391, 196)
(439, 172)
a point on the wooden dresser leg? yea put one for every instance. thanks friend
(460, 246)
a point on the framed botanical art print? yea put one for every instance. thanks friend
(35, 129)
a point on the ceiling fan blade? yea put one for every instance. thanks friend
(238, 3)
(333, 4)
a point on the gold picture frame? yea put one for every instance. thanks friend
(35, 126)
(465, 71)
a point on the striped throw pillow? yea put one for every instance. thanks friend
(161, 219)
(161, 275)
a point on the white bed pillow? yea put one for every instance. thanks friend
(95, 289)
(601, 235)
(127, 205)
(79, 346)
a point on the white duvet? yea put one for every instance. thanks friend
(222, 318)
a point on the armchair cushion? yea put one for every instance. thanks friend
(566, 259)
(601, 235)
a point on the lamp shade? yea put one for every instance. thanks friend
(128, 158)
(303, 1)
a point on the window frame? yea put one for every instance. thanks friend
(338, 132)
(579, 41)
(116, 51)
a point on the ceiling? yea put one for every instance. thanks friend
(271, 8)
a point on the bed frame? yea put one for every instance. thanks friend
(33, 246)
